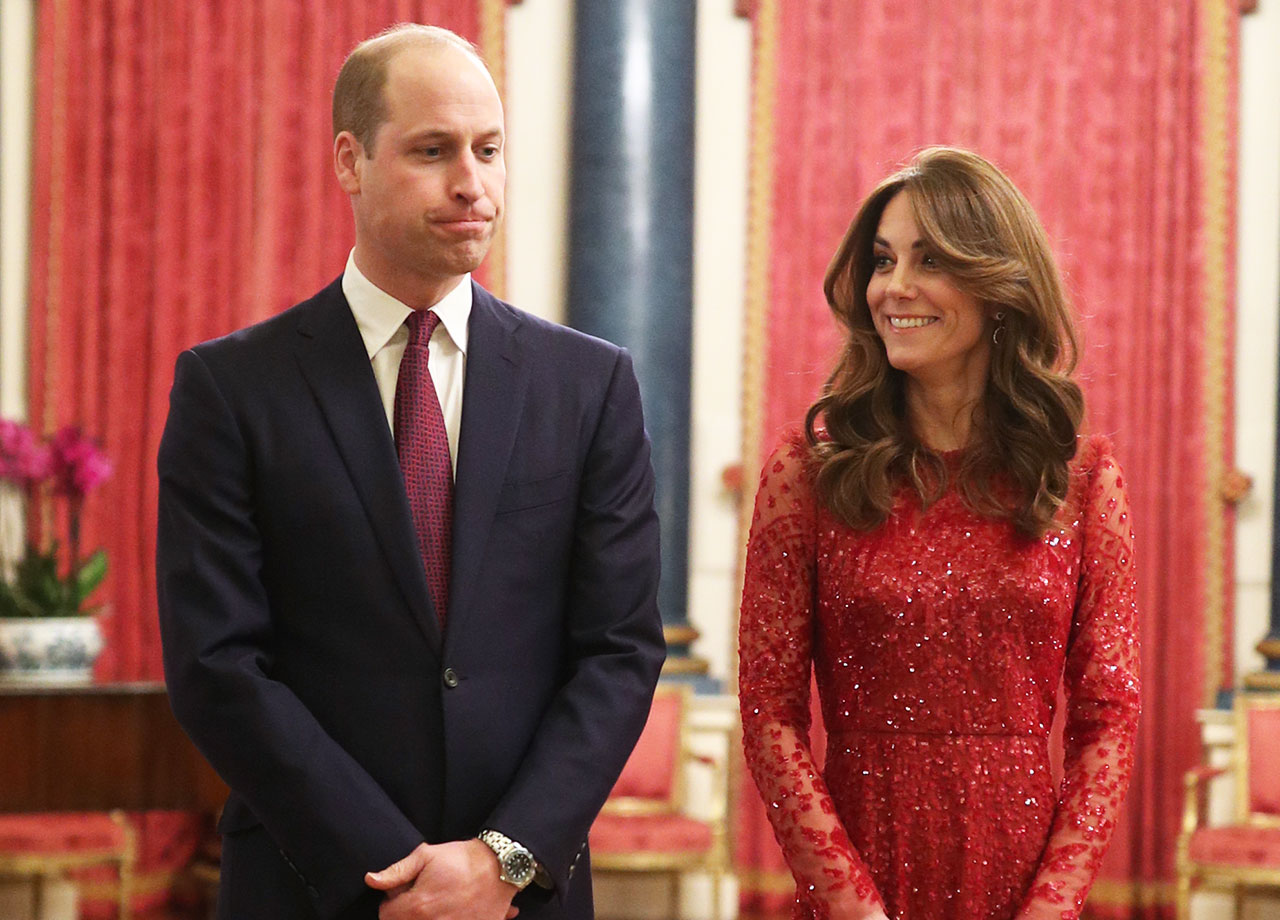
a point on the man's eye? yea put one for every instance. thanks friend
(428, 151)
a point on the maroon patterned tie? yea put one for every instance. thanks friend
(422, 444)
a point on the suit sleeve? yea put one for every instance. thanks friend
(331, 821)
(615, 644)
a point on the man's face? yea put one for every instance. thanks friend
(429, 195)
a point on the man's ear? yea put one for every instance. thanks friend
(347, 154)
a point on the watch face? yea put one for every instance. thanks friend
(518, 865)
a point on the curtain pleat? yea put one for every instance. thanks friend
(1100, 113)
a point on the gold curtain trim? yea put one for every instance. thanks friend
(493, 46)
(140, 883)
(46, 414)
(1217, 209)
(759, 223)
(1109, 892)
(57, 192)
(766, 881)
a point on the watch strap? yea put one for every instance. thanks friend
(511, 853)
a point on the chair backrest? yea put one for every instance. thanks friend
(1258, 758)
(652, 782)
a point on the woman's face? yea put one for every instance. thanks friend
(932, 331)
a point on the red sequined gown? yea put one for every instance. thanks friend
(938, 641)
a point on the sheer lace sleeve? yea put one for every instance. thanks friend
(1102, 700)
(775, 652)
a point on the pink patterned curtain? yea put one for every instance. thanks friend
(1117, 121)
(182, 189)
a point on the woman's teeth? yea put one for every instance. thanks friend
(911, 322)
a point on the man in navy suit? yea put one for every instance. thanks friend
(387, 758)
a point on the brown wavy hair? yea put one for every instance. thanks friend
(985, 235)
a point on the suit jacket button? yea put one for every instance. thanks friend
(450, 678)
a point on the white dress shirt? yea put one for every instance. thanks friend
(381, 320)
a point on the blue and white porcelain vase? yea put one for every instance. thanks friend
(48, 650)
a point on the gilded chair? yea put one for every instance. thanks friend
(1244, 855)
(42, 847)
(648, 824)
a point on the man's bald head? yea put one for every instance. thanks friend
(359, 105)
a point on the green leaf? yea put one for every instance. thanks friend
(37, 589)
(90, 575)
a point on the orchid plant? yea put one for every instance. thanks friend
(67, 466)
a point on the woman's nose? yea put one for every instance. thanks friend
(900, 282)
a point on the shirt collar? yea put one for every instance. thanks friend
(379, 315)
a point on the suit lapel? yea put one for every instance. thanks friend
(336, 366)
(492, 399)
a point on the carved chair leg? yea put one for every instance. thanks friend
(126, 893)
(715, 895)
(37, 897)
(1184, 896)
(1239, 892)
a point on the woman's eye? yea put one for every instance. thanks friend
(881, 262)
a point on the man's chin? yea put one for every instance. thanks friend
(459, 259)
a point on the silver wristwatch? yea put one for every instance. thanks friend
(516, 863)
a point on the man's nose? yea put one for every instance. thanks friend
(466, 178)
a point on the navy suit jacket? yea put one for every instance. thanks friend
(301, 650)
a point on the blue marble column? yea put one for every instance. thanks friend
(631, 233)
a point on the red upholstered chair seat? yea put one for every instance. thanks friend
(49, 834)
(1244, 854)
(1257, 847)
(654, 834)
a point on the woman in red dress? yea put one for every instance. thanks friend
(945, 550)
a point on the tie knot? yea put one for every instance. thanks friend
(422, 323)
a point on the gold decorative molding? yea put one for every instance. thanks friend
(685, 664)
(759, 223)
(679, 635)
(766, 881)
(1262, 680)
(1235, 486)
(58, 104)
(1269, 648)
(1111, 892)
(682, 634)
(493, 47)
(1215, 23)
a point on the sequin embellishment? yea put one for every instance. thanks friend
(938, 642)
